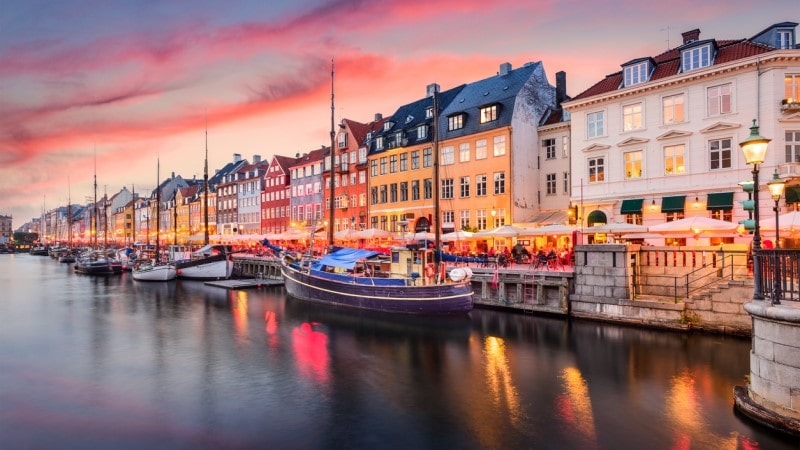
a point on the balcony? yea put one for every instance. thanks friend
(789, 170)
(790, 105)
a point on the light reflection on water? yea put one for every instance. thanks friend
(110, 362)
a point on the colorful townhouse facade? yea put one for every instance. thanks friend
(306, 190)
(276, 195)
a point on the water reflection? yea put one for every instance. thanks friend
(575, 406)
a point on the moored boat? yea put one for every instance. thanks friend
(402, 283)
(210, 262)
(94, 263)
(150, 270)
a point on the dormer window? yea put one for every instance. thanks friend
(409, 118)
(429, 113)
(387, 126)
(379, 143)
(422, 132)
(784, 39)
(696, 57)
(637, 73)
(455, 122)
(342, 140)
(488, 113)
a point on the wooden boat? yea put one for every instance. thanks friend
(94, 263)
(149, 266)
(409, 280)
(210, 262)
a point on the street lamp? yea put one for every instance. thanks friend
(776, 187)
(754, 149)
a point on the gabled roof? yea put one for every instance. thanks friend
(668, 63)
(284, 162)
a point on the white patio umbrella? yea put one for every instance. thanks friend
(548, 230)
(617, 228)
(347, 233)
(503, 231)
(787, 222)
(695, 225)
(459, 235)
(421, 236)
(372, 233)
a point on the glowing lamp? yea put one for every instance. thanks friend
(755, 146)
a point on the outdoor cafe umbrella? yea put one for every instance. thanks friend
(347, 233)
(547, 230)
(459, 235)
(372, 233)
(502, 231)
(617, 228)
(695, 225)
(787, 222)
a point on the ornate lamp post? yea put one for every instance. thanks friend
(754, 149)
(776, 187)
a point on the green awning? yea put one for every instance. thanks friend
(596, 217)
(673, 204)
(792, 194)
(631, 206)
(720, 200)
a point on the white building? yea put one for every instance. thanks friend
(659, 140)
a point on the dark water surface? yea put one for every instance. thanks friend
(114, 363)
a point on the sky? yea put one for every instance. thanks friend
(112, 87)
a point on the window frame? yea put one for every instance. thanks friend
(721, 154)
(596, 169)
(595, 124)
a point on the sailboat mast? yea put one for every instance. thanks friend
(175, 218)
(205, 190)
(332, 171)
(158, 210)
(436, 212)
(69, 214)
(133, 213)
(94, 232)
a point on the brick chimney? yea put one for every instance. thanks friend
(691, 36)
(430, 89)
(505, 68)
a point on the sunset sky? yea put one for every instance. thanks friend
(134, 81)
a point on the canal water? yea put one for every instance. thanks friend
(115, 363)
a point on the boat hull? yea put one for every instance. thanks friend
(163, 272)
(101, 268)
(217, 267)
(445, 298)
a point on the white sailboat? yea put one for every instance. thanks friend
(150, 267)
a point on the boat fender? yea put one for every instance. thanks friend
(430, 270)
(458, 274)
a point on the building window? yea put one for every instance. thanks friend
(464, 216)
(428, 188)
(455, 122)
(499, 183)
(448, 216)
(722, 214)
(719, 100)
(637, 73)
(342, 140)
(565, 146)
(403, 162)
(696, 58)
(463, 152)
(404, 191)
(480, 149)
(792, 146)
(383, 166)
(384, 192)
(448, 155)
(635, 218)
(783, 40)
(499, 145)
(566, 183)
(551, 183)
(480, 185)
(673, 216)
(488, 113)
(720, 153)
(595, 126)
(415, 190)
(673, 109)
(379, 143)
(464, 187)
(673, 159)
(427, 157)
(500, 217)
(447, 188)
(429, 113)
(393, 192)
(633, 164)
(791, 84)
(632, 117)
(422, 132)
(549, 146)
(415, 160)
(393, 164)
(597, 170)
(480, 218)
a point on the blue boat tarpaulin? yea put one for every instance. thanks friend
(346, 258)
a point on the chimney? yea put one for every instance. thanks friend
(237, 157)
(691, 36)
(561, 87)
(378, 117)
(431, 89)
(256, 159)
(504, 69)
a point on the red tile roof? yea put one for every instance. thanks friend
(668, 64)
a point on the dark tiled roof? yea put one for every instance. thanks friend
(668, 63)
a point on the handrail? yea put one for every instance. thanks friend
(692, 283)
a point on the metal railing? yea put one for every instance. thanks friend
(780, 274)
(684, 285)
